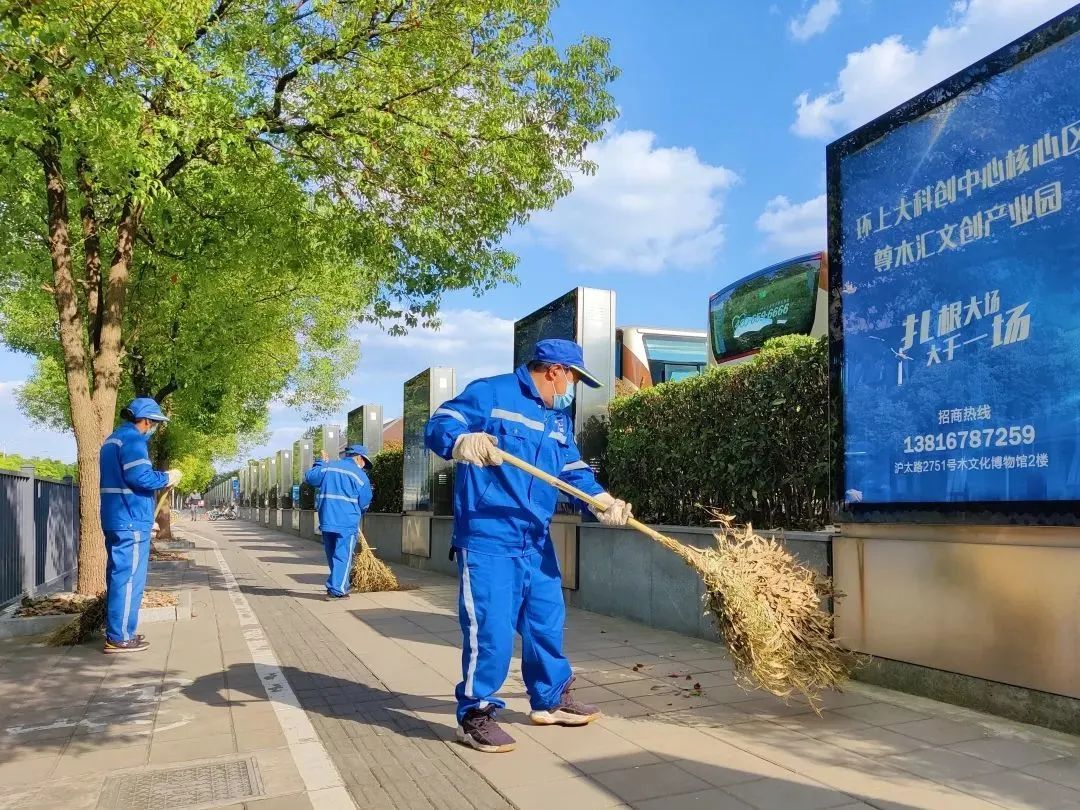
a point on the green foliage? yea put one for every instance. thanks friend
(386, 473)
(235, 185)
(751, 440)
(43, 467)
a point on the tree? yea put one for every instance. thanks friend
(387, 146)
(43, 467)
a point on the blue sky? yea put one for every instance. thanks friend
(715, 168)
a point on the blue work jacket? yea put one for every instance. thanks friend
(503, 510)
(128, 481)
(344, 493)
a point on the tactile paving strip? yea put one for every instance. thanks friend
(192, 786)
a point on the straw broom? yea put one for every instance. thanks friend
(766, 606)
(369, 573)
(91, 621)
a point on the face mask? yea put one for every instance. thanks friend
(561, 402)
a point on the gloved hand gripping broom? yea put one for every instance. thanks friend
(91, 621)
(766, 606)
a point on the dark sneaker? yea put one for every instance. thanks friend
(567, 712)
(333, 597)
(479, 730)
(136, 644)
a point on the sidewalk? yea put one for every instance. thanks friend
(270, 697)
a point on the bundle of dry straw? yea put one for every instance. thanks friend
(89, 623)
(369, 573)
(768, 609)
(766, 606)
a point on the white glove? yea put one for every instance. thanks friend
(174, 477)
(615, 512)
(480, 449)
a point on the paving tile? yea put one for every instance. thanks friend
(782, 794)
(875, 742)
(882, 714)
(941, 764)
(713, 799)
(939, 731)
(187, 750)
(591, 749)
(665, 779)
(1018, 790)
(295, 801)
(1063, 771)
(1007, 752)
(98, 761)
(579, 793)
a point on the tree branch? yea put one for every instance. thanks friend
(215, 17)
(91, 252)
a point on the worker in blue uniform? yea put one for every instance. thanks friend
(344, 494)
(128, 483)
(508, 571)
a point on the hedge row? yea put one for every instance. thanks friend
(751, 440)
(386, 474)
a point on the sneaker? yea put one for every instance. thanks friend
(479, 730)
(333, 597)
(567, 712)
(137, 644)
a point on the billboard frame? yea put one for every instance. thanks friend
(1045, 513)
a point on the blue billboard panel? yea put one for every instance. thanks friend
(959, 240)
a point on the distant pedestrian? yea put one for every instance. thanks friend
(193, 507)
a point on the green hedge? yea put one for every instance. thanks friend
(386, 476)
(751, 440)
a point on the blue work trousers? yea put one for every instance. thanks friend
(499, 596)
(339, 554)
(125, 579)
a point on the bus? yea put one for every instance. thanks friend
(789, 298)
(647, 356)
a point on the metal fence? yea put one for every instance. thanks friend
(39, 534)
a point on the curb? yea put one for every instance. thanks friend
(27, 626)
(181, 611)
(12, 627)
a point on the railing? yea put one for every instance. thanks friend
(39, 534)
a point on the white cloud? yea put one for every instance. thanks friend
(798, 227)
(886, 73)
(815, 21)
(8, 389)
(647, 208)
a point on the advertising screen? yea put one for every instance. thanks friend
(555, 320)
(417, 465)
(958, 231)
(777, 301)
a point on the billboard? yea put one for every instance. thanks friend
(954, 230)
(365, 426)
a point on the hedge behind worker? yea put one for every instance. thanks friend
(344, 494)
(508, 572)
(128, 483)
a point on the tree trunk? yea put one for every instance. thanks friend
(85, 419)
(161, 462)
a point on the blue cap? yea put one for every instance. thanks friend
(144, 408)
(565, 353)
(353, 450)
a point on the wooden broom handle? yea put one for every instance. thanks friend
(569, 489)
(161, 501)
